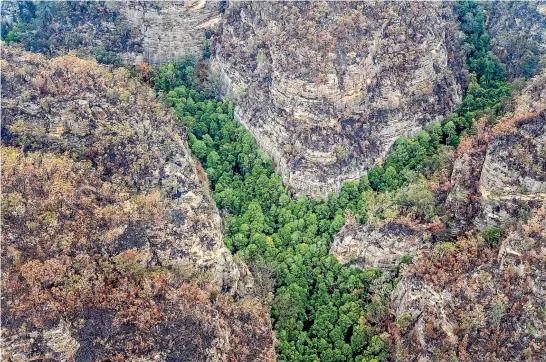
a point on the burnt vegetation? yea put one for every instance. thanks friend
(85, 218)
(88, 209)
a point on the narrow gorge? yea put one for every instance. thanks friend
(273, 181)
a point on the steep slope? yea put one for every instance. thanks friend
(92, 29)
(518, 35)
(326, 88)
(170, 30)
(128, 32)
(326, 97)
(499, 175)
(468, 300)
(112, 248)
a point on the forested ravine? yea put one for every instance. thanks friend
(321, 309)
(152, 262)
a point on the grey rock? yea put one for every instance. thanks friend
(169, 30)
(326, 88)
(503, 176)
(378, 246)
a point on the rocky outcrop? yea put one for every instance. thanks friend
(192, 325)
(500, 174)
(112, 246)
(133, 138)
(468, 300)
(518, 35)
(169, 30)
(475, 303)
(379, 245)
(326, 88)
(513, 177)
(127, 32)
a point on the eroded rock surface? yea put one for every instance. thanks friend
(500, 175)
(132, 139)
(379, 245)
(112, 247)
(169, 30)
(475, 303)
(326, 88)
(469, 300)
(128, 32)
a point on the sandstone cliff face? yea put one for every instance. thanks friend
(127, 32)
(326, 88)
(500, 175)
(470, 301)
(475, 303)
(379, 246)
(111, 243)
(169, 30)
(134, 139)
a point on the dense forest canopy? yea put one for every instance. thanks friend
(321, 310)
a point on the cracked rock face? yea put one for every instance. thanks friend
(378, 246)
(476, 303)
(169, 30)
(513, 177)
(128, 32)
(135, 140)
(500, 176)
(326, 88)
(469, 301)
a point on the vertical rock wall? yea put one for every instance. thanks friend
(326, 88)
(128, 32)
(500, 175)
(169, 30)
(111, 244)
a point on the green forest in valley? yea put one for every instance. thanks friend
(323, 310)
